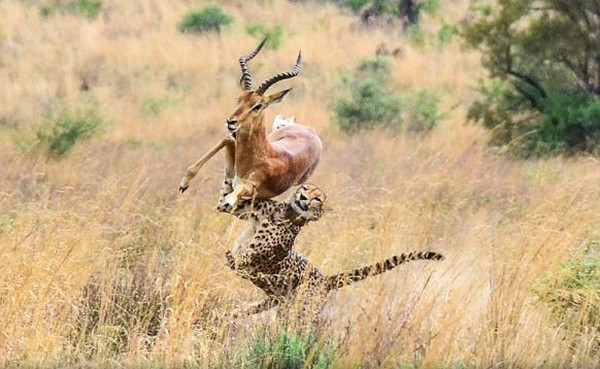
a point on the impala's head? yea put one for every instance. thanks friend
(252, 103)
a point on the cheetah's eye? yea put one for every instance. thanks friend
(303, 197)
(318, 200)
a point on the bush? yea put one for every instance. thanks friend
(87, 8)
(416, 35)
(58, 135)
(568, 123)
(573, 295)
(356, 5)
(445, 34)
(154, 106)
(209, 19)
(372, 104)
(274, 35)
(287, 350)
(423, 111)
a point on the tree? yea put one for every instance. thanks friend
(544, 59)
(409, 12)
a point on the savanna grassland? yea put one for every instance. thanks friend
(104, 264)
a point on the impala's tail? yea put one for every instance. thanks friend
(345, 278)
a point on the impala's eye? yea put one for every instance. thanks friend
(256, 108)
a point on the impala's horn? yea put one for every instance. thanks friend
(281, 76)
(246, 80)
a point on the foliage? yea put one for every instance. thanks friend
(86, 8)
(371, 103)
(445, 34)
(573, 295)
(431, 7)
(209, 19)
(274, 35)
(153, 107)
(545, 61)
(407, 11)
(423, 111)
(287, 350)
(416, 35)
(60, 133)
(356, 5)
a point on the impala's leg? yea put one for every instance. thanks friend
(227, 186)
(193, 169)
(242, 206)
(230, 158)
(233, 200)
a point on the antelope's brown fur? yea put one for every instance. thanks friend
(262, 166)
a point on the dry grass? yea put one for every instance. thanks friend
(105, 230)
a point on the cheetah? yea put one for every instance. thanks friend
(264, 253)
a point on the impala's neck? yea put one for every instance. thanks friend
(252, 145)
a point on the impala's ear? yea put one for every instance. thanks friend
(277, 96)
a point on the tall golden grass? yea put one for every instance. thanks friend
(105, 225)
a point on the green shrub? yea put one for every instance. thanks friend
(274, 35)
(86, 8)
(416, 35)
(378, 68)
(287, 350)
(154, 106)
(567, 122)
(573, 295)
(356, 5)
(209, 19)
(61, 132)
(423, 111)
(50, 9)
(431, 7)
(371, 105)
(445, 34)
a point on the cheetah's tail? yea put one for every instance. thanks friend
(345, 278)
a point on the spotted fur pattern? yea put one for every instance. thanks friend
(264, 253)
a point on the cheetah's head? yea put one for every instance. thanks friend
(309, 202)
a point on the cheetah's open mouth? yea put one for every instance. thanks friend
(299, 205)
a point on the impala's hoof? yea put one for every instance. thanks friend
(183, 188)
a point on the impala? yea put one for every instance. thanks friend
(262, 166)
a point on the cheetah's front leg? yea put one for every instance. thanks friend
(267, 304)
